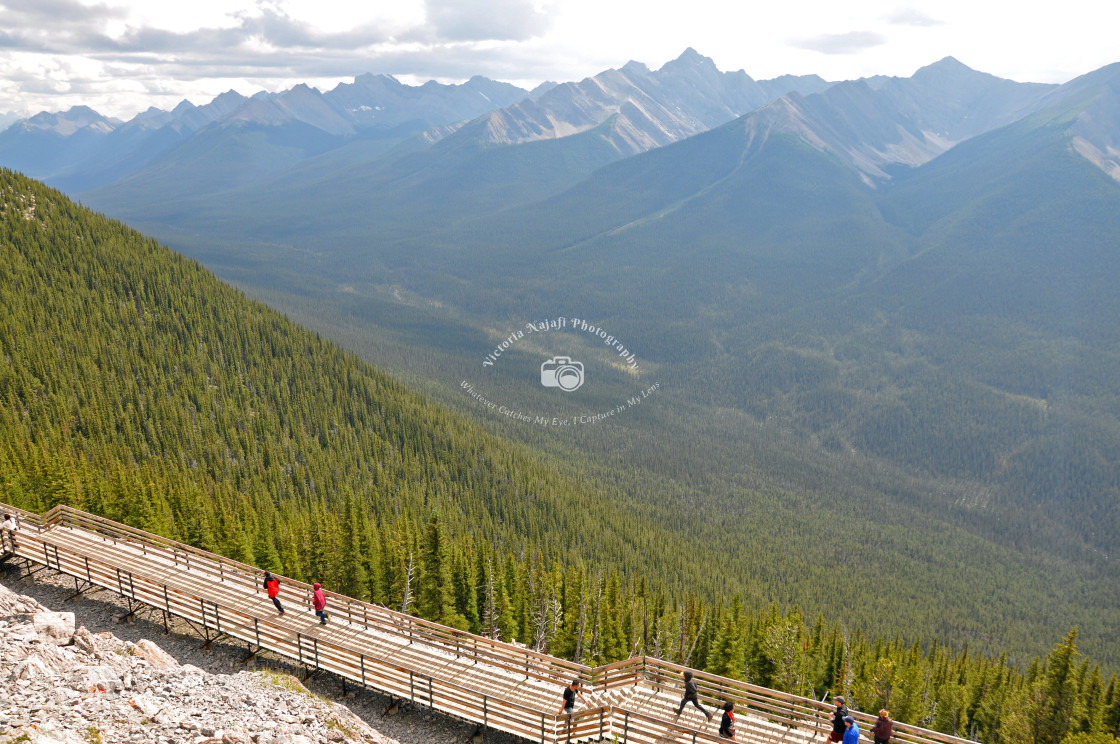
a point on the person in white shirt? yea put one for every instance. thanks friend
(11, 526)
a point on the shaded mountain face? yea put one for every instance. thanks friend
(877, 126)
(81, 150)
(46, 142)
(1095, 101)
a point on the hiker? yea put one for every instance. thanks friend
(883, 727)
(691, 695)
(570, 693)
(272, 586)
(851, 735)
(11, 526)
(838, 727)
(319, 602)
(727, 723)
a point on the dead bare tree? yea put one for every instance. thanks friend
(409, 575)
(490, 612)
(699, 632)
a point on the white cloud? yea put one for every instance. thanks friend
(120, 56)
(910, 17)
(851, 42)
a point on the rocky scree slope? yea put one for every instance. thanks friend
(62, 684)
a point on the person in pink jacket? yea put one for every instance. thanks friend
(319, 602)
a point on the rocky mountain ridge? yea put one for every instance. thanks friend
(81, 149)
(684, 97)
(876, 125)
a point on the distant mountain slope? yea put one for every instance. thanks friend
(957, 321)
(877, 127)
(47, 143)
(300, 120)
(495, 161)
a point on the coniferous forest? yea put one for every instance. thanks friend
(135, 385)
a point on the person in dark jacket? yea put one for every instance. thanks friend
(838, 727)
(727, 723)
(692, 695)
(851, 732)
(319, 602)
(883, 727)
(570, 693)
(272, 586)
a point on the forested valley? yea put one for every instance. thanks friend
(136, 386)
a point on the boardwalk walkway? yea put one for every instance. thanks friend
(497, 685)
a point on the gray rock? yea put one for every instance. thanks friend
(54, 627)
(102, 678)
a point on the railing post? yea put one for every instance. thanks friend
(626, 727)
(362, 666)
(542, 728)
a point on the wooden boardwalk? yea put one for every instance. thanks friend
(497, 685)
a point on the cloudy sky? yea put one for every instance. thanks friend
(121, 56)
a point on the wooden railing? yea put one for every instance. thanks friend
(765, 716)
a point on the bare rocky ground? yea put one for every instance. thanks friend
(131, 682)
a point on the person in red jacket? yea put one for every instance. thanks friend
(272, 586)
(319, 602)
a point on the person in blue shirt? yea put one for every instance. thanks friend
(851, 736)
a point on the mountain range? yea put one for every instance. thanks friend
(79, 150)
